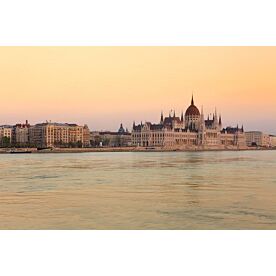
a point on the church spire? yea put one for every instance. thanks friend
(162, 118)
(192, 101)
(220, 123)
(182, 117)
(202, 115)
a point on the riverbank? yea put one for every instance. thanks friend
(124, 149)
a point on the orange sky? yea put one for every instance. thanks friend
(103, 86)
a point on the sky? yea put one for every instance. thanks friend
(104, 86)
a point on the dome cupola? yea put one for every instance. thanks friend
(192, 110)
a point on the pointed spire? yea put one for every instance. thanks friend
(213, 117)
(133, 124)
(216, 115)
(174, 113)
(220, 123)
(162, 118)
(192, 101)
(242, 129)
(182, 117)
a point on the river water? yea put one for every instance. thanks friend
(139, 190)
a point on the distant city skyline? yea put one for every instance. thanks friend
(106, 86)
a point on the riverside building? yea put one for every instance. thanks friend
(5, 135)
(120, 138)
(191, 130)
(20, 135)
(257, 138)
(59, 135)
(272, 139)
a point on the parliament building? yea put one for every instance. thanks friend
(190, 131)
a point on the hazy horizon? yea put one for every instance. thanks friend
(106, 86)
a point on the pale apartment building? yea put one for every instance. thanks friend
(86, 136)
(257, 138)
(21, 134)
(58, 135)
(272, 141)
(5, 131)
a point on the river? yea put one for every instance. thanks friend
(139, 190)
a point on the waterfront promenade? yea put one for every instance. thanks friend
(127, 149)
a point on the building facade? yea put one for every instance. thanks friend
(257, 138)
(20, 135)
(272, 141)
(120, 138)
(86, 137)
(58, 135)
(191, 130)
(5, 135)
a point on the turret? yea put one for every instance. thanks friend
(202, 120)
(216, 115)
(216, 123)
(202, 114)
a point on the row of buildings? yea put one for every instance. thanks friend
(193, 130)
(46, 134)
(120, 138)
(190, 130)
(260, 139)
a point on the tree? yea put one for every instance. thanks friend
(71, 145)
(6, 142)
(118, 141)
(79, 144)
(106, 141)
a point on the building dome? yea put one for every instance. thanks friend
(192, 110)
(121, 129)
